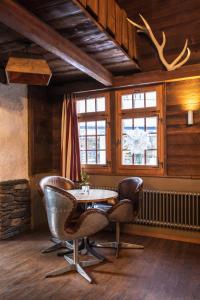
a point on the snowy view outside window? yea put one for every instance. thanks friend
(139, 134)
(92, 134)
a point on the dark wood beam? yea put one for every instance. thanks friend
(78, 86)
(21, 20)
(153, 77)
(184, 73)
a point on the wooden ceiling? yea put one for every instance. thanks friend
(179, 19)
(71, 22)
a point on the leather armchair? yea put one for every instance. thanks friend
(66, 184)
(60, 207)
(58, 181)
(125, 211)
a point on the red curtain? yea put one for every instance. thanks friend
(70, 154)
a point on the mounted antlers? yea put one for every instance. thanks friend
(160, 47)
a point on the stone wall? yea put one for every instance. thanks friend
(15, 207)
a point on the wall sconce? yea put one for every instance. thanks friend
(190, 117)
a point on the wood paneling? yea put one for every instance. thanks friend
(183, 142)
(93, 6)
(153, 77)
(119, 19)
(44, 113)
(103, 13)
(179, 20)
(111, 19)
(40, 131)
(124, 30)
(56, 131)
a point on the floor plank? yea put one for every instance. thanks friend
(164, 270)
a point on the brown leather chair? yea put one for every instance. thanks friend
(125, 211)
(58, 181)
(66, 184)
(60, 207)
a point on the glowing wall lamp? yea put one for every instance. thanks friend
(190, 117)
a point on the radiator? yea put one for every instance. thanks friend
(168, 209)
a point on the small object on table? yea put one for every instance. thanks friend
(85, 189)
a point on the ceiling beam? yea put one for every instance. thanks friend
(158, 76)
(78, 86)
(152, 77)
(21, 20)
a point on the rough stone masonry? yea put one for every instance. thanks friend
(15, 208)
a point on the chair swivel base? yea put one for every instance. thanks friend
(58, 245)
(118, 245)
(78, 267)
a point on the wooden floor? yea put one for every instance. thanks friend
(163, 270)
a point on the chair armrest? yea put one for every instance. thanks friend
(121, 212)
(90, 222)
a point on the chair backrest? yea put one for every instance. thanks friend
(57, 181)
(60, 206)
(130, 188)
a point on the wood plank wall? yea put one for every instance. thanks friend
(56, 131)
(182, 141)
(44, 131)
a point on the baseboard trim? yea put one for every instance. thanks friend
(163, 233)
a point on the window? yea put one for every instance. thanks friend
(94, 132)
(139, 123)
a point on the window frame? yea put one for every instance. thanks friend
(98, 116)
(140, 112)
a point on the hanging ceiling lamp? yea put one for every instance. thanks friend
(28, 70)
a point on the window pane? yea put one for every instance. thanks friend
(90, 104)
(91, 128)
(139, 159)
(138, 100)
(100, 104)
(101, 127)
(124, 142)
(83, 157)
(127, 101)
(150, 99)
(127, 125)
(82, 130)
(91, 142)
(126, 158)
(151, 157)
(139, 123)
(101, 142)
(101, 157)
(152, 141)
(80, 106)
(82, 143)
(151, 124)
(91, 157)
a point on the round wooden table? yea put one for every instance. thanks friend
(93, 196)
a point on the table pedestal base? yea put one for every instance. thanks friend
(86, 247)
